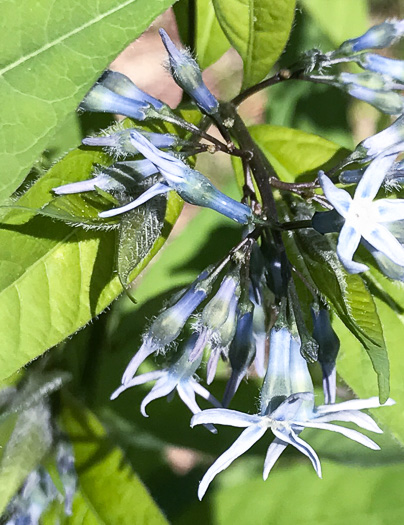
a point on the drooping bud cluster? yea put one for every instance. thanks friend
(115, 93)
(382, 82)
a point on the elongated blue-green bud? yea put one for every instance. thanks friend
(122, 85)
(383, 65)
(390, 103)
(102, 100)
(377, 37)
(188, 76)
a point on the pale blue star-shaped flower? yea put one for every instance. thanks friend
(178, 376)
(365, 218)
(287, 407)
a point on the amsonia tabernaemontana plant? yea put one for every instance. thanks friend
(277, 304)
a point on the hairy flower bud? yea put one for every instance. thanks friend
(188, 76)
(377, 37)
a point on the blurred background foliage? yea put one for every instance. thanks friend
(119, 452)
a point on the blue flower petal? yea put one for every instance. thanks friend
(275, 449)
(348, 242)
(374, 176)
(351, 416)
(224, 416)
(340, 199)
(389, 210)
(381, 239)
(293, 439)
(162, 388)
(353, 404)
(157, 189)
(139, 380)
(246, 440)
(347, 432)
(148, 347)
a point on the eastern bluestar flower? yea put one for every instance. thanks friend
(188, 76)
(168, 325)
(178, 376)
(190, 184)
(365, 218)
(287, 407)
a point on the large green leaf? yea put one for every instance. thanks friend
(258, 30)
(356, 372)
(109, 491)
(293, 154)
(52, 53)
(55, 278)
(296, 495)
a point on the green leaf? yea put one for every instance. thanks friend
(295, 154)
(211, 43)
(52, 53)
(109, 490)
(357, 373)
(258, 30)
(54, 278)
(294, 494)
(140, 230)
(349, 297)
(27, 445)
(339, 20)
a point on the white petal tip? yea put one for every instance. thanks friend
(108, 213)
(201, 492)
(117, 392)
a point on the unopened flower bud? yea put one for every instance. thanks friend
(188, 76)
(328, 350)
(390, 103)
(122, 85)
(383, 65)
(377, 37)
(102, 100)
(241, 354)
